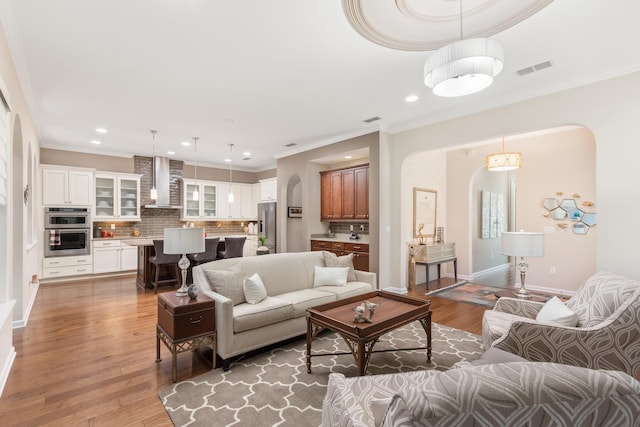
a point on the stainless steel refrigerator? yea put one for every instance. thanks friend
(267, 225)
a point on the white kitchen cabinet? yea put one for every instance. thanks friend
(128, 257)
(207, 205)
(241, 208)
(256, 197)
(117, 197)
(213, 201)
(64, 186)
(65, 266)
(112, 255)
(269, 189)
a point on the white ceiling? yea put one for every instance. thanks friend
(263, 74)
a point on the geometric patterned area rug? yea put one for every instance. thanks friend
(273, 388)
(468, 292)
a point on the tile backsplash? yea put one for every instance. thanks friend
(344, 227)
(153, 226)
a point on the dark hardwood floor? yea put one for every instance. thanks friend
(87, 355)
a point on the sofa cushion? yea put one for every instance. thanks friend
(555, 311)
(268, 311)
(283, 272)
(254, 290)
(520, 393)
(227, 283)
(333, 260)
(306, 298)
(330, 276)
(351, 289)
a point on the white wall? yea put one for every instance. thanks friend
(609, 109)
(422, 170)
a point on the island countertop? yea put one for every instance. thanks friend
(148, 241)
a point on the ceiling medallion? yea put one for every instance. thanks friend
(423, 25)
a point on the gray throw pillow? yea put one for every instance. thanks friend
(332, 260)
(227, 283)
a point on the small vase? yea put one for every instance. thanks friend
(412, 273)
(192, 291)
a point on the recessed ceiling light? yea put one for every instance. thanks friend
(185, 143)
(348, 157)
(101, 130)
(96, 142)
(411, 98)
(171, 153)
(227, 160)
(246, 153)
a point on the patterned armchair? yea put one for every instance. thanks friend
(607, 335)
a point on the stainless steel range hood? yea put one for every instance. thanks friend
(163, 178)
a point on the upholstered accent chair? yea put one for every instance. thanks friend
(607, 335)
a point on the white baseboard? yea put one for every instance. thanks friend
(23, 322)
(6, 368)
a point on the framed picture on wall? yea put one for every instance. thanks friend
(294, 212)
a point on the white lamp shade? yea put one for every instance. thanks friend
(464, 67)
(523, 244)
(183, 240)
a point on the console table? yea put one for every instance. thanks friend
(438, 254)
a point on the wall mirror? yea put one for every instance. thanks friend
(424, 212)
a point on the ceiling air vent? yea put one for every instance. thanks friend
(246, 158)
(532, 69)
(371, 119)
(291, 144)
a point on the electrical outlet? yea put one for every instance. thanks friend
(113, 226)
(351, 228)
(552, 270)
(361, 227)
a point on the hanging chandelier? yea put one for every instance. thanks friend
(154, 191)
(463, 67)
(196, 190)
(503, 161)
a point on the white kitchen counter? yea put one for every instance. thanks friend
(343, 238)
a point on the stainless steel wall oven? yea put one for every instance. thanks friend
(67, 231)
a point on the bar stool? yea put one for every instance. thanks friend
(210, 252)
(232, 247)
(161, 259)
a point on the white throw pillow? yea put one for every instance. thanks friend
(330, 276)
(555, 311)
(254, 290)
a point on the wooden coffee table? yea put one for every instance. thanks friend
(393, 311)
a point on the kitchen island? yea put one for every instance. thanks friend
(146, 250)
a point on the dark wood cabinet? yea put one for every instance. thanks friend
(344, 194)
(360, 251)
(361, 192)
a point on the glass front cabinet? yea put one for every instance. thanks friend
(204, 206)
(117, 197)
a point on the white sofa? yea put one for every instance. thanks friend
(288, 279)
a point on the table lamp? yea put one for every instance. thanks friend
(522, 244)
(183, 241)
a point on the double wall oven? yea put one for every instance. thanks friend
(67, 231)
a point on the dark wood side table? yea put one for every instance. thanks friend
(184, 325)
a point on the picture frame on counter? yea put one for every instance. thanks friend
(294, 212)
